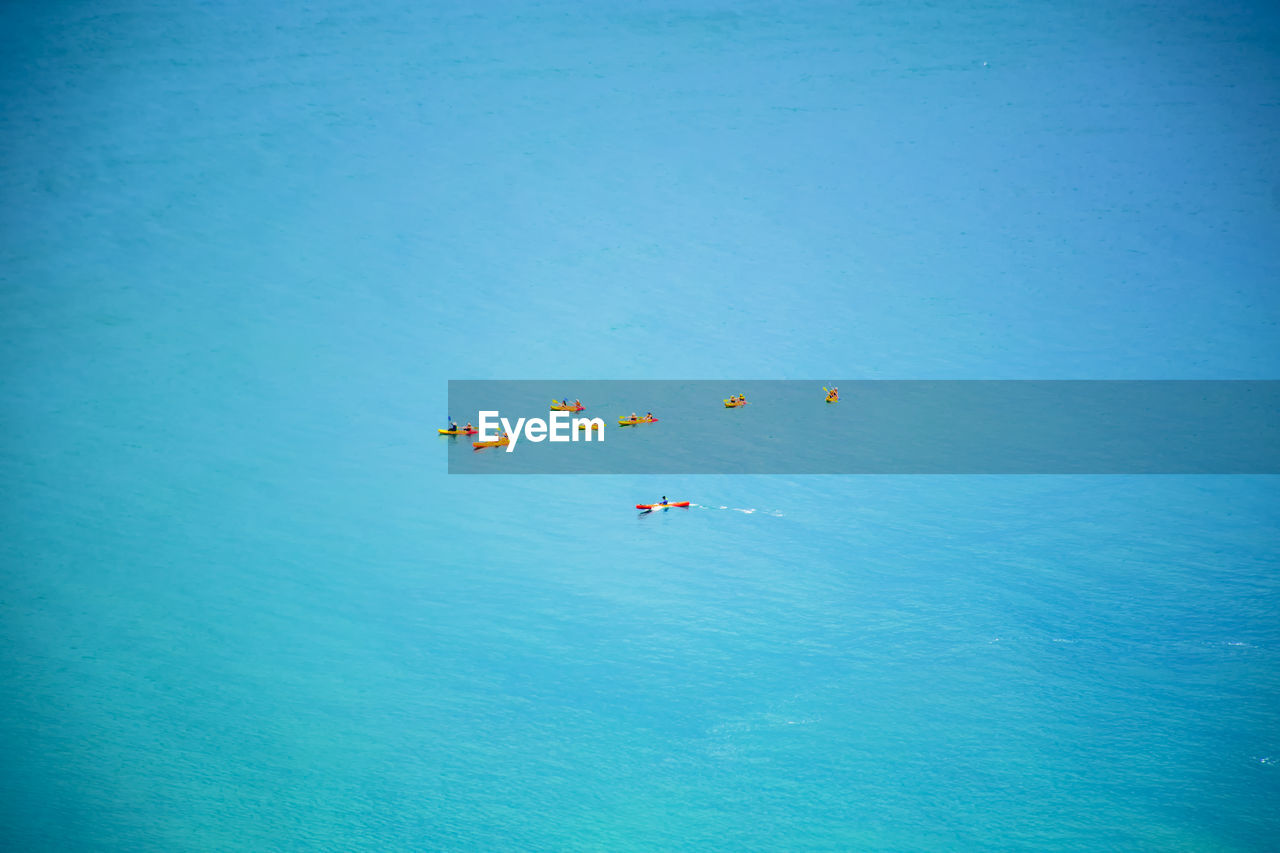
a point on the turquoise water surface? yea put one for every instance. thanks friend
(245, 246)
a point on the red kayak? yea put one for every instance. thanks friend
(660, 506)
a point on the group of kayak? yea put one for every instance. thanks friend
(576, 406)
(833, 396)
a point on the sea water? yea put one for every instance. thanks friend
(242, 605)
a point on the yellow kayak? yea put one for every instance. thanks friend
(593, 426)
(729, 404)
(565, 407)
(629, 422)
(459, 431)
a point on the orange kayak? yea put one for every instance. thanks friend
(661, 506)
(560, 407)
(628, 422)
(502, 442)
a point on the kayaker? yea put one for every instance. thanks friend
(664, 499)
(634, 416)
(648, 416)
(468, 427)
(453, 426)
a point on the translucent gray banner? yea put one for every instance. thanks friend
(877, 427)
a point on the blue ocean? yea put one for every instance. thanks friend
(245, 246)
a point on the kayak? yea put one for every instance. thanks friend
(661, 506)
(559, 407)
(731, 405)
(459, 431)
(833, 399)
(584, 426)
(502, 442)
(627, 422)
